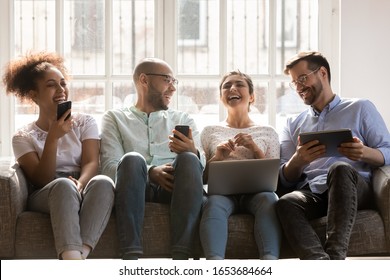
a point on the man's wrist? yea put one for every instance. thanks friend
(151, 169)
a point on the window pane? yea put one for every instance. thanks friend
(259, 109)
(34, 28)
(133, 33)
(124, 94)
(84, 36)
(26, 112)
(200, 98)
(297, 29)
(88, 98)
(247, 49)
(288, 104)
(34, 25)
(198, 37)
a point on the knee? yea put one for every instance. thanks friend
(339, 168)
(187, 159)
(63, 187)
(284, 204)
(264, 201)
(102, 180)
(131, 160)
(269, 198)
(102, 184)
(341, 172)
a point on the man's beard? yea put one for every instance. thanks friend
(155, 98)
(315, 91)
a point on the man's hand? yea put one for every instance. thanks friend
(353, 150)
(183, 143)
(303, 156)
(308, 152)
(163, 176)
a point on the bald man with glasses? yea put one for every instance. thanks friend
(139, 151)
(316, 185)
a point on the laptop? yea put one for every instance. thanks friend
(243, 176)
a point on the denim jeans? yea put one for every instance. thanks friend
(76, 218)
(214, 223)
(133, 189)
(347, 192)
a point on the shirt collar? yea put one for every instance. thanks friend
(143, 116)
(336, 100)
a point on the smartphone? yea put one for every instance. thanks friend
(62, 108)
(185, 129)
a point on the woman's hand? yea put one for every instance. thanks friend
(246, 140)
(223, 150)
(79, 186)
(61, 127)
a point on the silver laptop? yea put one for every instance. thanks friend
(243, 176)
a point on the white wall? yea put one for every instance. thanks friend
(365, 52)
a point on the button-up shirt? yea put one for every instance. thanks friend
(359, 115)
(131, 130)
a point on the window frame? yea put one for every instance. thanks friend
(165, 36)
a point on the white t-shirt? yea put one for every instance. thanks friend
(265, 137)
(31, 138)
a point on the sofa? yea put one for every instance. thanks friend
(28, 235)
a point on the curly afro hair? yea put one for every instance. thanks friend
(22, 73)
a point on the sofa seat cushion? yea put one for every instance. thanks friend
(156, 234)
(34, 236)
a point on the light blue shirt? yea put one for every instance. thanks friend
(130, 130)
(359, 115)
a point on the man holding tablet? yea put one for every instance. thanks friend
(315, 183)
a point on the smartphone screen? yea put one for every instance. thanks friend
(62, 108)
(185, 129)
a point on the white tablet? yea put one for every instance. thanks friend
(330, 138)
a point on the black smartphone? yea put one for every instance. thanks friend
(62, 108)
(185, 129)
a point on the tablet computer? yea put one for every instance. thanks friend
(330, 138)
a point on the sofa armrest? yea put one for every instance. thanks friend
(13, 200)
(381, 186)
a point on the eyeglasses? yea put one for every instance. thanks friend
(167, 78)
(301, 80)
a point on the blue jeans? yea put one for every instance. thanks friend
(133, 189)
(347, 192)
(214, 223)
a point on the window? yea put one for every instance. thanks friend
(192, 23)
(102, 41)
(253, 36)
